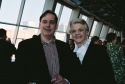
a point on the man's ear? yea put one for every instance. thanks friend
(39, 24)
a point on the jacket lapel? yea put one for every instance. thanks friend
(87, 53)
(41, 54)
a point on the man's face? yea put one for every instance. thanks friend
(48, 25)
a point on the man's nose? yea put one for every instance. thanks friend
(48, 24)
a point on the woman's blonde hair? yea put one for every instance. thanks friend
(81, 21)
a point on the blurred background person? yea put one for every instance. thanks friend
(95, 39)
(100, 42)
(119, 40)
(104, 42)
(8, 39)
(6, 51)
(117, 57)
(71, 44)
(123, 45)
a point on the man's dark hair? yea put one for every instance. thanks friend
(95, 38)
(51, 12)
(2, 32)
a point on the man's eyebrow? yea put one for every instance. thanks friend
(44, 20)
(52, 20)
(47, 20)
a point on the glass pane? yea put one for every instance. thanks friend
(32, 11)
(111, 30)
(64, 20)
(119, 33)
(17, 41)
(57, 9)
(25, 33)
(104, 32)
(93, 28)
(60, 36)
(84, 17)
(10, 30)
(115, 31)
(9, 10)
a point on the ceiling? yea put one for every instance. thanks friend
(111, 11)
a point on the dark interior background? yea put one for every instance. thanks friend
(112, 11)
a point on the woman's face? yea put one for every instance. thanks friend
(79, 33)
(115, 40)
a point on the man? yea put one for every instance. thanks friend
(95, 39)
(6, 51)
(44, 59)
(94, 65)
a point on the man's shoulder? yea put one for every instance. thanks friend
(26, 41)
(29, 42)
(59, 41)
(62, 43)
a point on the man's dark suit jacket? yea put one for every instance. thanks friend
(6, 51)
(31, 62)
(96, 67)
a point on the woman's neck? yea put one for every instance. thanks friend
(79, 44)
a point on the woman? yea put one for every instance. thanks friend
(94, 65)
(117, 57)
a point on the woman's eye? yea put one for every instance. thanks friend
(80, 30)
(73, 31)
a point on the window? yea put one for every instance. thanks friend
(64, 20)
(61, 36)
(25, 33)
(32, 11)
(9, 11)
(84, 17)
(104, 32)
(93, 28)
(110, 30)
(57, 10)
(10, 30)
